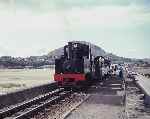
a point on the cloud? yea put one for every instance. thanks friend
(107, 17)
(4, 51)
(43, 6)
(29, 26)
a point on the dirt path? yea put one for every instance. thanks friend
(98, 107)
(104, 103)
(135, 103)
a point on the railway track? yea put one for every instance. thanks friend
(30, 107)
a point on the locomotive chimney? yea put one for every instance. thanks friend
(70, 50)
(65, 51)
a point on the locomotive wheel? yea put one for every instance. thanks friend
(88, 79)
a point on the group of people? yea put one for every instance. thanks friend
(113, 70)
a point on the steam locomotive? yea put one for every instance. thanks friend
(76, 67)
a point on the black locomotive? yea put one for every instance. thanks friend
(76, 67)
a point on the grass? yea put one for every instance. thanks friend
(16, 79)
(10, 85)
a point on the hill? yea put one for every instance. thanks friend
(49, 59)
(96, 51)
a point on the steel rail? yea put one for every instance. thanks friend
(14, 109)
(32, 111)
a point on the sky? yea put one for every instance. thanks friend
(36, 27)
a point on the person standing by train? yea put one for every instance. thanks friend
(121, 76)
(105, 72)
